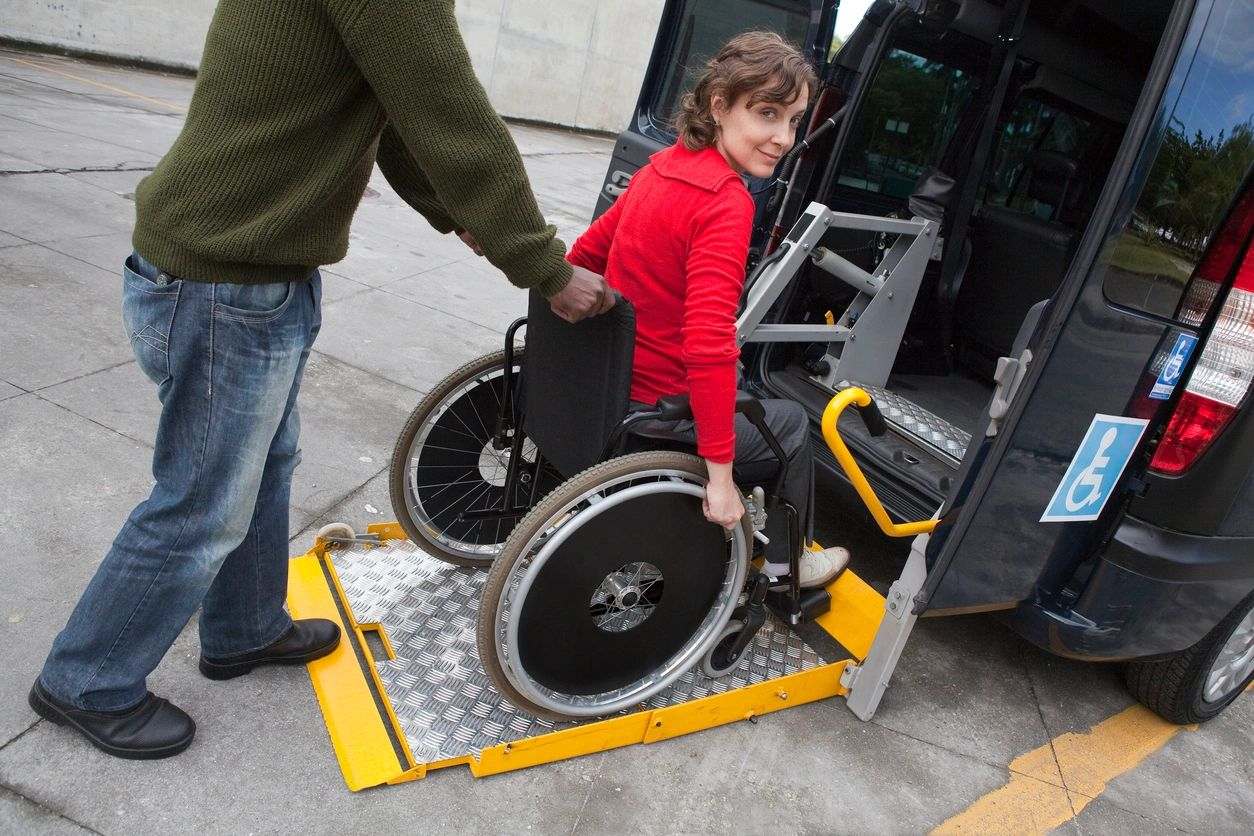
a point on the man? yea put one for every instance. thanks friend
(294, 103)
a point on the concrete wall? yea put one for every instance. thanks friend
(569, 62)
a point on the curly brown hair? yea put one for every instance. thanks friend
(758, 63)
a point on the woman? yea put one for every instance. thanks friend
(675, 244)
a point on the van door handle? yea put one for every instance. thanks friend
(617, 183)
(1009, 375)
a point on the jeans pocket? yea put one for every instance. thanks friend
(252, 302)
(148, 314)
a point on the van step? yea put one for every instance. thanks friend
(917, 424)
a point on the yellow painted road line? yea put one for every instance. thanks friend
(1051, 785)
(109, 87)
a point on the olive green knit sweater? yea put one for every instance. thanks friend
(294, 102)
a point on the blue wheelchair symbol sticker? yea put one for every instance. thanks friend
(1095, 469)
(1173, 367)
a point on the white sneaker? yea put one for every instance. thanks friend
(820, 568)
(817, 568)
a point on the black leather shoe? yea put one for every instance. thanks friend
(156, 728)
(306, 640)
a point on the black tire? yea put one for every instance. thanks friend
(461, 543)
(1175, 687)
(540, 517)
(717, 663)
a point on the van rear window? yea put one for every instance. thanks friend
(1206, 149)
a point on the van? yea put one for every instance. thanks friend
(1066, 363)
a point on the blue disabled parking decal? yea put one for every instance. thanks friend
(1095, 469)
(1173, 366)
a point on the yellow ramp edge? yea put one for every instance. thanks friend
(855, 615)
(357, 730)
(359, 727)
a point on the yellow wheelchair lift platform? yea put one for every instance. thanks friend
(404, 693)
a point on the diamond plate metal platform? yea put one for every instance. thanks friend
(915, 422)
(443, 700)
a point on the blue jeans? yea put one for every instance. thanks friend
(227, 360)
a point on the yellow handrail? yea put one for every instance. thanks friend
(831, 435)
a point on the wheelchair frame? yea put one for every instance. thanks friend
(792, 606)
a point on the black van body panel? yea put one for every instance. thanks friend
(631, 151)
(1006, 553)
(1152, 592)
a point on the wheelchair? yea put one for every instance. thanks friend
(605, 581)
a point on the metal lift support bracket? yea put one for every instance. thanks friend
(868, 681)
(863, 342)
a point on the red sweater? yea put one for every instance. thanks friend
(675, 244)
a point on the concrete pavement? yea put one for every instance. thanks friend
(77, 420)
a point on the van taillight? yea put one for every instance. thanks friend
(1222, 374)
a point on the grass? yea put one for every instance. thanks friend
(1137, 256)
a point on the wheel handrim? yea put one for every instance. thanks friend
(1234, 663)
(545, 543)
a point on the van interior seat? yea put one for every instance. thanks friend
(1017, 259)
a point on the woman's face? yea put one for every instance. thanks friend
(753, 138)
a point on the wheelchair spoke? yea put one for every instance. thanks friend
(454, 466)
(417, 466)
(491, 387)
(469, 430)
(443, 484)
(448, 429)
(446, 487)
(447, 449)
(453, 506)
(620, 603)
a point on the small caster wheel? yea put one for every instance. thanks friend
(336, 533)
(717, 662)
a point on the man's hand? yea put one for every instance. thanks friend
(469, 241)
(586, 294)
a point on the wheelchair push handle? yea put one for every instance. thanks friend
(875, 424)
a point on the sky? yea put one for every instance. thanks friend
(848, 14)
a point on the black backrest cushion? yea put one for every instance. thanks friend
(576, 382)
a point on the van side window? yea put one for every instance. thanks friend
(705, 25)
(1034, 128)
(1207, 149)
(910, 112)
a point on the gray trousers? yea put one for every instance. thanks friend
(755, 464)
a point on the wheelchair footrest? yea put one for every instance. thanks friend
(813, 603)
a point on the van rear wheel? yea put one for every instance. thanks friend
(1197, 684)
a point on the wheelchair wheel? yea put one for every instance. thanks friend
(449, 460)
(610, 589)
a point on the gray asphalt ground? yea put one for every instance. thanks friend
(77, 422)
